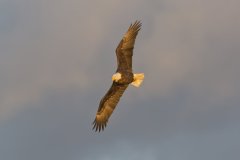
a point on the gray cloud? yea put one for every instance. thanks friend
(57, 58)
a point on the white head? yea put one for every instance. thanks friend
(116, 77)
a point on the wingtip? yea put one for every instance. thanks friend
(98, 127)
(138, 23)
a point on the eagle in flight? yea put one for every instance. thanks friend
(121, 79)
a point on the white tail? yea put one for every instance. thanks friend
(137, 79)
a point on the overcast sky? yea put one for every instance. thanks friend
(56, 62)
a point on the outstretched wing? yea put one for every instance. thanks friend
(107, 105)
(124, 50)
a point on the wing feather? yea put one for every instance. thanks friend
(107, 106)
(124, 50)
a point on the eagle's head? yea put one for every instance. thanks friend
(116, 77)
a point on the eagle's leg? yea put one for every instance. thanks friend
(137, 79)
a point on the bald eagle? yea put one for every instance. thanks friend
(121, 79)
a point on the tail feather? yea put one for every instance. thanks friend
(137, 79)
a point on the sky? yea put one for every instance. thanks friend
(56, 62)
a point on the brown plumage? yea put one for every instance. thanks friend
(124, 54)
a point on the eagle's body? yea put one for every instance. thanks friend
(121, 79)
